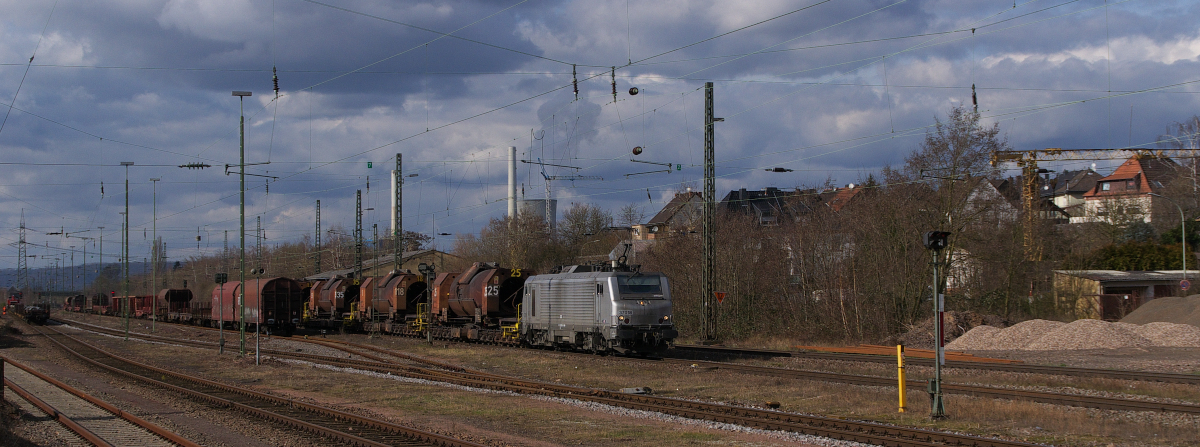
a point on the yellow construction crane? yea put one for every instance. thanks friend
(1028, 162)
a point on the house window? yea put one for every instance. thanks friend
(1104, 186)
(1130, 184)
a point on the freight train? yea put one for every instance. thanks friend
(272, 304)
(34, 314)
(603, 308)
(597, 308)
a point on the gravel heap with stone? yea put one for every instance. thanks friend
(1182, 310)
(1043, 335)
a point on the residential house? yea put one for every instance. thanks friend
(682, 214)
(767, 206)
(1067, 189)
(1124, 196)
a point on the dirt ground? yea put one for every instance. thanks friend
(498, 419)
(504, 419)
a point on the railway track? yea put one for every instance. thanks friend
(331, 424)
(858, 431)
(94, 420)
(1075, 400)
(707, 352)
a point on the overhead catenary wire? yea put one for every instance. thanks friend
(643, 117)
(27, 65)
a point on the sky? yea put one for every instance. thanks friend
(831, 89)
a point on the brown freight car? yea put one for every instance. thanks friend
(391, 297)
(272, 303)
(486, 293)
(178, 304)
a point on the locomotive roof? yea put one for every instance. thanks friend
(585, 275)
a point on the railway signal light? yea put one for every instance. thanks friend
(936, 240)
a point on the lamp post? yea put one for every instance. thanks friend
(242, 220)
(125, 247)
(154, 260)
(1182, 235)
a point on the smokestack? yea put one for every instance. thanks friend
(512, 182)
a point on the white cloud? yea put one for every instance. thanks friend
(219, 20)
(1131, 49)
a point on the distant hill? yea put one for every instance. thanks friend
(43, 275)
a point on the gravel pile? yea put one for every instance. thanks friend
(1020, 335)
(1089, 334)
(1171, 334)
(1182, 310)
(1042, 335)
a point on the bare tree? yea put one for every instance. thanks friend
(631, 215)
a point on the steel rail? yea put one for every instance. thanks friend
(1144, 376)
(147, 425)
(1076, 400)
(1090, 401)
(859, 431)
(332, 424)
(84, 433)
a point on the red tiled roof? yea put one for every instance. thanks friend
(1147, 174)
(843, 197)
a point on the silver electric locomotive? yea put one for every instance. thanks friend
(585, 308)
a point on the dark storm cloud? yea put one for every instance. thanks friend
(823, 108)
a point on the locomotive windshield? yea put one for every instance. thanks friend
(640, 285)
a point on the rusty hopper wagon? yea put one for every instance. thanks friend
(332, 303)
(485, 294)
(391, 300)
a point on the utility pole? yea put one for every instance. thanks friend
(317, 242)
(22, 266)
(154, 259)
(125, 247)
(357, 237)
(709, 212)
(100, 271)
(242, 221)
(397, 219)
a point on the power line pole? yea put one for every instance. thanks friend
(100, 270)
(397, 220)
(242, 221)
(709, 211)
(153, 260)
(317, 242)
(22, 266)
(125, 247)
(357, 237)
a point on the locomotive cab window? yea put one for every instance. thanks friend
(640, 285)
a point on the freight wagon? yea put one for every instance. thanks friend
(273, 304)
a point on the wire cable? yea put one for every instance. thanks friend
(22, 83)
